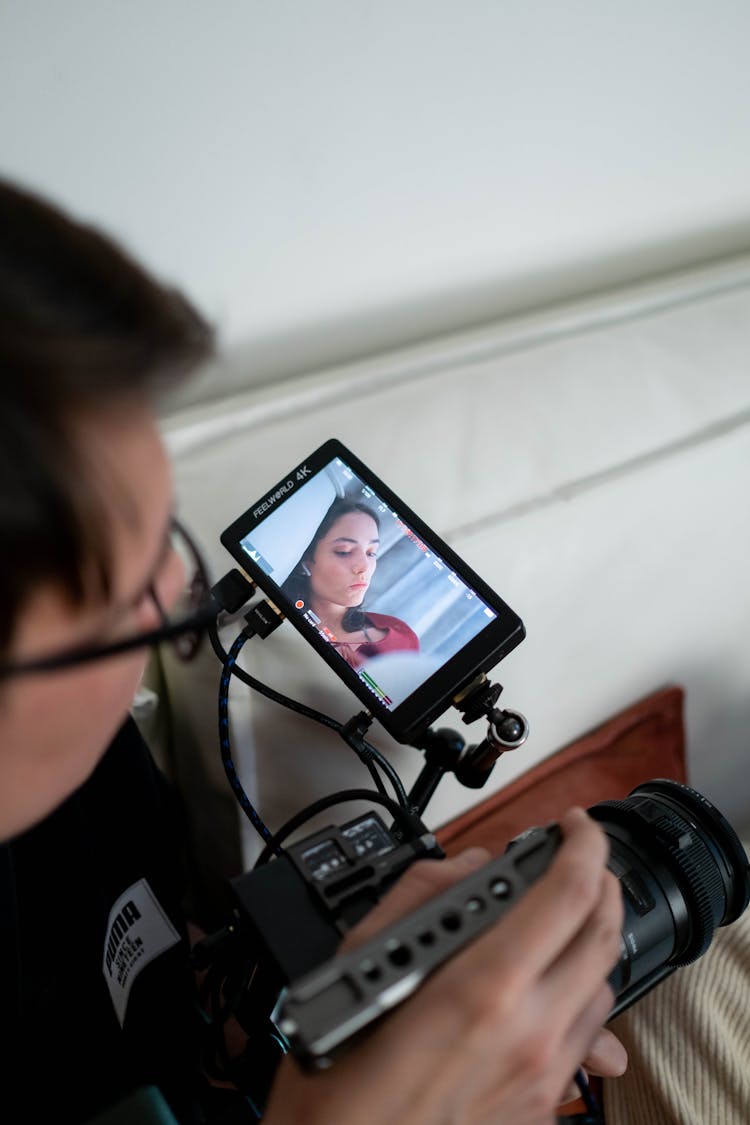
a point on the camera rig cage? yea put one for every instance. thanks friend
(682, 869)
(320, 886)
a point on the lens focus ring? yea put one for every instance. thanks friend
(695, 870)
(702, 884)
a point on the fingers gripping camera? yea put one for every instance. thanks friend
(681, 868)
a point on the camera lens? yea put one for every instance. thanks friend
(683, 872)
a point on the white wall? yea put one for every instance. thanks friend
(327, 177)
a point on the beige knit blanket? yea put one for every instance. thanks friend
(689, 1043)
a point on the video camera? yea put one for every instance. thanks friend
(416, 637)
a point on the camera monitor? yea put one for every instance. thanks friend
(393, 610)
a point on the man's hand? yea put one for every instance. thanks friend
(496, 1034)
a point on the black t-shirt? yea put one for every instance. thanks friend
(97, 996)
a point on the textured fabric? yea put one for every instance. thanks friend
(689, 1043)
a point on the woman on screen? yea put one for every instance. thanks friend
(331, 581)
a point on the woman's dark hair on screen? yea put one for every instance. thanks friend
(297, 585)
(83, 329)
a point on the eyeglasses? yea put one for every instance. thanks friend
(184, 626)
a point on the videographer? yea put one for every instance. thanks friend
(93, 834)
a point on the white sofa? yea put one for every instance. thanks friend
(590, 461)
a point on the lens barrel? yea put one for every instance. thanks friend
(683, 872)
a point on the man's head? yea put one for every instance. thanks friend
(87, 340)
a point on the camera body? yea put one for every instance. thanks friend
(296, 909)
(682, 870)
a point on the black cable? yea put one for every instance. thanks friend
(276, 696)
(226, 754)
(229, 669)
(387, 769)
(593, 1114)
(371, 768)
(316, 716)
(403, 816)
(592, 1106)
(285, 701)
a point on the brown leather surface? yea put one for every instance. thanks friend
(644, 741)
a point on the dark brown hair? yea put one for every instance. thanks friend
(83, 328)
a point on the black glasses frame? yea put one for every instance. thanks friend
(190, 630)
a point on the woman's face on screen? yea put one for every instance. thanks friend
(344, 560)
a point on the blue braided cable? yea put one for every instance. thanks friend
(226, 753)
